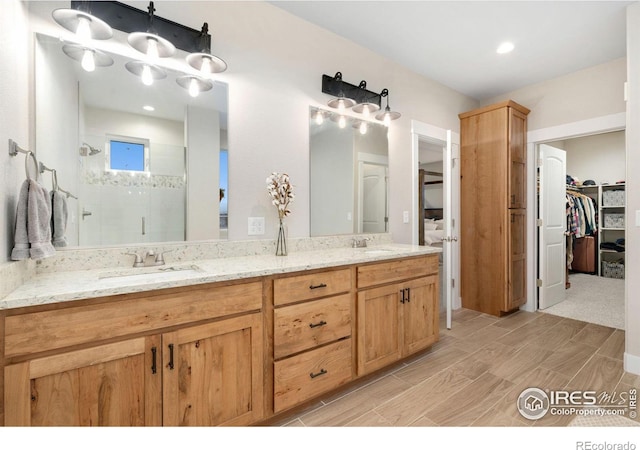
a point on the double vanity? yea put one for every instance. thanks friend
(220, 341)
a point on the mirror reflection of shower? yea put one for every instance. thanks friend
(88, 150)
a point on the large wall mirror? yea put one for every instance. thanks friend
(146, 163)
(349, 166)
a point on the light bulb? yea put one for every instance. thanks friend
(152, 48)
(88, 61)
(194, 89)
(342, 122)
(83, 32)
(319, 118)
(206, 67)
(387, 119)
(363, 128)
(147, 76)
(365, 110)
(341, 105)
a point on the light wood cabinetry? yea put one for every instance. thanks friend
(206, 374)
(312, 345)
(396, 316)
(228, 353)
(493, 207)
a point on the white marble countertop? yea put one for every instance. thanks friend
(48, 288)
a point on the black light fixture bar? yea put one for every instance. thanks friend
(128, 19)
(334, 85)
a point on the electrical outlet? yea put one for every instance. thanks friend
(405, 216)
(256, 226)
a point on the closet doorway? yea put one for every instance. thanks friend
(590, 284)
(436, 200)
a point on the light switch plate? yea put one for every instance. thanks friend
(405, 216)
(256, 226)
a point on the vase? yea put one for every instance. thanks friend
(281, 243)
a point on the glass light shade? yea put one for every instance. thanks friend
(89, 58)
(146, 71)
(387, 116)
(206, 63)
(152, 45)
(84, 25)
(366, 108)
(341, 103)
(194, 85)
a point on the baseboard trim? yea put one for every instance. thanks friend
(631, 363)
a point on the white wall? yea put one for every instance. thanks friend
(632, 336)
(14, 113)
(601, 157)
(593, 92)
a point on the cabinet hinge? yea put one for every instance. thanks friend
(539, 282)
(539, 222)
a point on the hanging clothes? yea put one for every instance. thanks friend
(581, 215)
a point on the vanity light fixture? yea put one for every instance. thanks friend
(341, 102)
(194, 84)
(367, 104)
(387, 115)
(149, 34)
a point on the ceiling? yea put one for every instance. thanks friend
(454, 42)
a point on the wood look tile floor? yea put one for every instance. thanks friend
(475, 373)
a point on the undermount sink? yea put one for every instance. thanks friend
(152, 271)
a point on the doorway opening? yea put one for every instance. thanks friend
(436, 199)
(580, 272)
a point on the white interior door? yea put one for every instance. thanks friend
(450, 244)
(552, 216)
(374, 201)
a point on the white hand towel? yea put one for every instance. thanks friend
(59, 217)
(21, 237)
(39, 221)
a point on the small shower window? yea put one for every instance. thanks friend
(128, 154)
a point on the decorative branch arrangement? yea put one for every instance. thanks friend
(281, 192)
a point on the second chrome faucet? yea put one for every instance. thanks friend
(148, 258)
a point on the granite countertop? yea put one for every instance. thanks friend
(49, 288)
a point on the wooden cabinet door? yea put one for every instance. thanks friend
(379, 333)
(517, 267)
(517, 159)
(111, 384)
(420, 314)
(213, 373)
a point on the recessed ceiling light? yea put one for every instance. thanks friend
(148, 108)
(505, 47)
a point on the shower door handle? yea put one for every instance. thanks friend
(85, 213)
(144, 228)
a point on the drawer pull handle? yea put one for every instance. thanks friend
(154, 354)
(403, 299)
(322, 372)
(170, 357)
(318, 286)
(319, 324)
(408, 295)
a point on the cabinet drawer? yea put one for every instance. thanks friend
(47, 330)
(388, 272)
(306, 287)
(310, 374)
(306, 325)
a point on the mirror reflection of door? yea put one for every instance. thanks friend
(374, 198)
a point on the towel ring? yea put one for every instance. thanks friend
(26, 164)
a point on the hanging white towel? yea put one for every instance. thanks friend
(33, 223)
(59, 215)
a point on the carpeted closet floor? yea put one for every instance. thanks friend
(593, 299)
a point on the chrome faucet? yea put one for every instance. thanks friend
(361, 243)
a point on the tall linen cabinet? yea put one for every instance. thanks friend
(493, 207)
